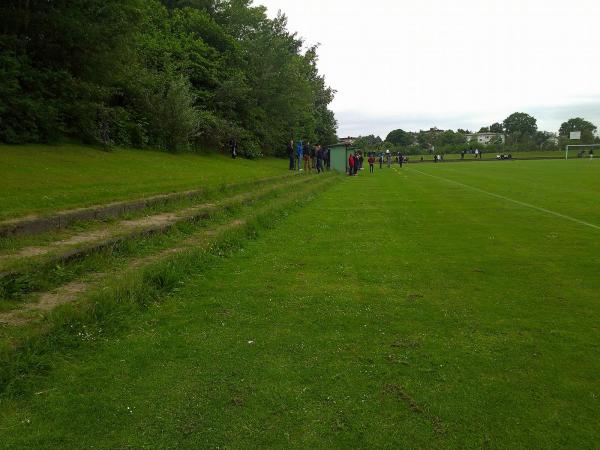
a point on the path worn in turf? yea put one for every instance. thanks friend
(203, 238)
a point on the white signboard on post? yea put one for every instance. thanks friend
(575, 135)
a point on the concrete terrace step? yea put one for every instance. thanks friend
(40, 224)
(75, 290)
(82, 245)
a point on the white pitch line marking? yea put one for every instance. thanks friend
(517, 202)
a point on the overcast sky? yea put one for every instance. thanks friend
(414, 64)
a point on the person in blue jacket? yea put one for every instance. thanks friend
(299, 154)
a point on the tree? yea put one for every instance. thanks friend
(578, 124)
(400, 137)
(448, 138)
(520, 127)
(370, 141)
(484, 130)
(174, 117)
(171, 73)
(496, 128)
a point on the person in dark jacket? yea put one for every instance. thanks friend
(400, 159)
(306, 157)
(319, 155)
(290, 152)
(233, 147)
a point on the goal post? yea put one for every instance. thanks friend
(580, 146)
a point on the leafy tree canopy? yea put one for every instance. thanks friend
(370, 141)
(168, 73)
(400, 137)
(496, 128)
(520, 126)
(578, 124)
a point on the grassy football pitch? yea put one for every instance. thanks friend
(434, 306)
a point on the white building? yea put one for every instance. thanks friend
(552, 137)
(485, 138)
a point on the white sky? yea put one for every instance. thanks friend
(414, 64)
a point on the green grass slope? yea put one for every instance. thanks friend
(40, 179)
(398, 310)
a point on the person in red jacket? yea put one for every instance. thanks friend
(371, 163)
(351, 162)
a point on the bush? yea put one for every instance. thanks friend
(174, 119)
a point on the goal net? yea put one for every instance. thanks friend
(582, 151)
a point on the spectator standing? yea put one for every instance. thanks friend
(290, 152)
(306, 152)
(299, 154)
(319, 155)
(233, 147)
(371, 163)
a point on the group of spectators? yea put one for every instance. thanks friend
(355, 161)
(478, 153)
(305, 157)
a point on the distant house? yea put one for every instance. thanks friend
(552, 138)
(485, 138)
(435, 130)
(348, 140)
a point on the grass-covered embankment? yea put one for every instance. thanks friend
(40, 179)
(44, 267)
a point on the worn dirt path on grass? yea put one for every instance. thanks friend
(123, 227)
(73, 291)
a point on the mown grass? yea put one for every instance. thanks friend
(491, 155)
(38, 179)
(395, 311)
